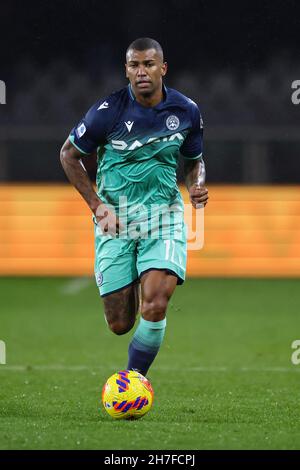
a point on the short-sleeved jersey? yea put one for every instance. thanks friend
(138, 147)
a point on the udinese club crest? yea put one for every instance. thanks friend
(172, 123)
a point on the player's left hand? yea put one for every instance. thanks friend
(198, 196)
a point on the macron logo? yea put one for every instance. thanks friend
(129, 125)
(103, 105)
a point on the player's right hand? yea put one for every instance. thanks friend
(198, 196)
(108, 220)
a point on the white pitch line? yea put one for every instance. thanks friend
(76, 285)
(76, 368)
(55, 367)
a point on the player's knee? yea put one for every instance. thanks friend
(155, 309)
(120, 327)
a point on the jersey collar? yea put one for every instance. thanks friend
(165, 94)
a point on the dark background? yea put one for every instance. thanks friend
(236, 59)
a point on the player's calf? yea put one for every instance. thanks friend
(120, 327)
(121, 308)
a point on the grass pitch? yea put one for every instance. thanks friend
(222, 380)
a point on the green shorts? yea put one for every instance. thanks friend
(120, 262)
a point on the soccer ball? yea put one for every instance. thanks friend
(127, 395)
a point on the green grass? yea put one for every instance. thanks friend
(223, 378)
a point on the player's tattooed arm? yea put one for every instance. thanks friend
(194, 182)
(70, 158)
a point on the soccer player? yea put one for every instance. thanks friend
(139, 133)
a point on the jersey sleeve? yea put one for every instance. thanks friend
(193, 144)
(92, 130)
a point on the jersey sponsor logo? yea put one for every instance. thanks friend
(103, 105)
(172, 123)
(80, 130)
(129, 125)
(122, 145)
